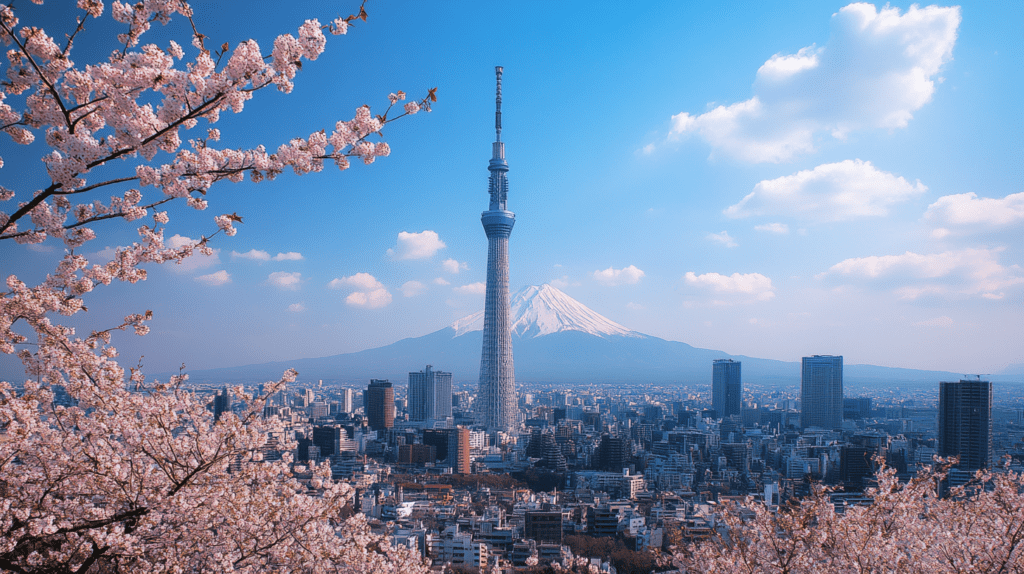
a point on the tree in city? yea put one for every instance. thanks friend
(126, 474)
(906, 528)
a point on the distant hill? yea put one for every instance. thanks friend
(556, 339)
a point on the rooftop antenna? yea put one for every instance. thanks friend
(497, 101)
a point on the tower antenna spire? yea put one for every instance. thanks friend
(497, 102)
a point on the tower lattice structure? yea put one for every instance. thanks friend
(497, 401)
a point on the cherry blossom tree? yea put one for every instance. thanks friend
(136, 475)
(907, 528)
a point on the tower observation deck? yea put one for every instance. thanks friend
(497, 402)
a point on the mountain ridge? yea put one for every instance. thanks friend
(556, 339)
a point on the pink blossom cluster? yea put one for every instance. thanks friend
(137, 476)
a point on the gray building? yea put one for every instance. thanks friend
(430, 395)
(497, 407)
(965, 423)
(821, 392)
(726, 387)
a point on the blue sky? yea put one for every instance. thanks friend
(767, 179)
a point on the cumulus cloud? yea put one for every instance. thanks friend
(973, 213)
(412, 288)
(625, 276)
(369, 293)
(217, 278)
(296, 307)
(829, 192)
(779, 228)
(259, 255)
(254, 254)
(194, 263)
(441, 281)
(285, 280)
(723, 238)
(421, 245)
(453, 266)
(369, 299)
(877, 68)
(746, 285)
(961, 272)
(477, 288)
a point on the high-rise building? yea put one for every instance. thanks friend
(380, 404)
(497, 407)
(726, 387)
(221, 403)
(821, 392)
(430, 395)
(346, 401)
(451, 446)
(965, 423)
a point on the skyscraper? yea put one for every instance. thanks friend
(821, 392)
(430, 395)
(497, 405)
(380, 405)
(965, 423)
(346, 401)
(726, 387)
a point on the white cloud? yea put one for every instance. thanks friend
(361, 281)
(416, 245)
(296, 307)
(369, 300)
(723, 238)
(877, 68)
(412, 288)
(441, 281)
(369, 294)
(744, 284)
(218, 278)
(453, 266)
(196, 261)
(625, 276)
(647, 149)
(829, 192)
(285, 280)
(634, 306)
(975, 213)
(259, 255)
(942, 321)
(40, 248)
(780, 228)
(477, 288)
(254, 254)
(963, 272)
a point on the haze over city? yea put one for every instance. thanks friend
(771, 181)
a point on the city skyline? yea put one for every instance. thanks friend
(894, 219)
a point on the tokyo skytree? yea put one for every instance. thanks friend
(497, 404)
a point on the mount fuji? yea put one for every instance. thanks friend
(555, 339)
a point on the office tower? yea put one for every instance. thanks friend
(965, 423)
(821, 392)
(726, 387)
(614, 454)
(221, 403)
(430, 395)
(346, 401)
(497, 408)
(380, 405)
(451, 446)
(438, 438)
(329, 439)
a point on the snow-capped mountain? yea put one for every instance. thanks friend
(556, 339)
(540, 310)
